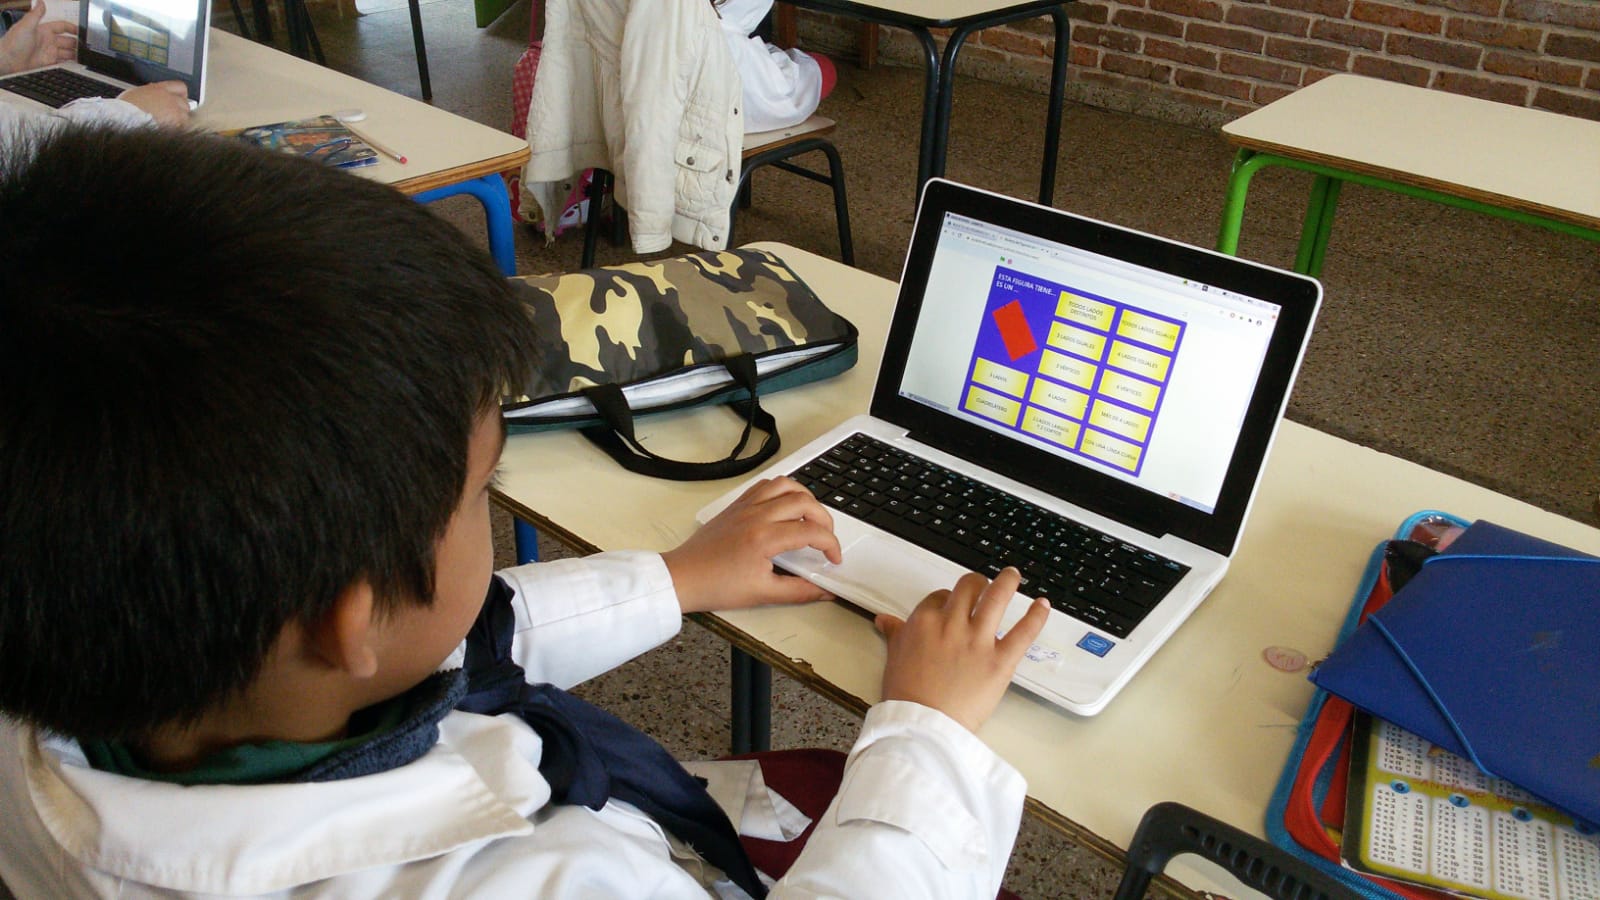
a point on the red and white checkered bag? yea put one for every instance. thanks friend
(576, 209)
(521, 93)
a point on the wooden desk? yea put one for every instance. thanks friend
(962, 18)
(251, 84)
(1522, 164)
(1207, 722)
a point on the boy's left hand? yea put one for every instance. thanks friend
(727, 564)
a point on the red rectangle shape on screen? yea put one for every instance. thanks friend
(1014, 330)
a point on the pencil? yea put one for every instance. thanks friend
(390, 152)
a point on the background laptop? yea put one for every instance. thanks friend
(1090, 404)
(123, 44)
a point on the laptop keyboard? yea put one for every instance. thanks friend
(1084, 573)
(58, 87)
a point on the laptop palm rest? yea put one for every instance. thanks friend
(880, 573)
(884, 575)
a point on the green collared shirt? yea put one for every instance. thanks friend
(263, 763)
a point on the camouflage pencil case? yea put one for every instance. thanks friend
(709, 328)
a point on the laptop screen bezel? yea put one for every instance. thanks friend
(138, 73)
(1112, 497)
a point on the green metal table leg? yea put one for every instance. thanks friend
(1318, 224)
(1311, 223)
(1244, 166)
(1319, 247)
(1234, 204)
(1325, 196)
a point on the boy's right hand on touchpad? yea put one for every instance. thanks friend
(946, 654)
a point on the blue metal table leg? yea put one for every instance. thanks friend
(527, 541)
(490, 190)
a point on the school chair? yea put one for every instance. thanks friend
(777, 149)
(1172, 829)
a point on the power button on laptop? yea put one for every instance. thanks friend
(1096, 644)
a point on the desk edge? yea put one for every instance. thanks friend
(1410, 179)
(505, 162)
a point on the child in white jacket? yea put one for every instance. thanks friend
(781, 87)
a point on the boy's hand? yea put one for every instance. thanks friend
(947, 656)
(727, 564)
(166, 101)
(33, 42)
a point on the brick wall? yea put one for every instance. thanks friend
(1207, 61)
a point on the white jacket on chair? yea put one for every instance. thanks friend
(648, 90)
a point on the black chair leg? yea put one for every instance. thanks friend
(311, 34)
(780, 157)
(619, 221)
(263, 16)
(291, 24)
(841, 208)
(239, 19)
(738, 202)
(302, 34)
(422, 50)
(599, 186)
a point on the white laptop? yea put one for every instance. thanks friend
(1087, 403)
(123, 44)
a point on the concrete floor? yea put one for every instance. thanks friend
(1457, 340)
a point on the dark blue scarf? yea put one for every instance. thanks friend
(589, 755)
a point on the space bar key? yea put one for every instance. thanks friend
(957, 553)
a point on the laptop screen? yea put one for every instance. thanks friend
(141, 41)
(1128, 374)
(1142, 375)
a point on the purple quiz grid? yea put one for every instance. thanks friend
(1039, 299)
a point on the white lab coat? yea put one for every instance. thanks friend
(89, 111)
(647, 90)
(781, 87)
(925, 810)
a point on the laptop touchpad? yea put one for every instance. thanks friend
(883, 574)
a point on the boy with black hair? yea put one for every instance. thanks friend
(248, 429)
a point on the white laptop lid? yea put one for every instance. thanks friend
(141, 41)
(1124, 373)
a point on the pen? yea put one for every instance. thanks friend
(327, 149)
(390, 152)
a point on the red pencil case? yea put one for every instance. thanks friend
(1307, 808)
